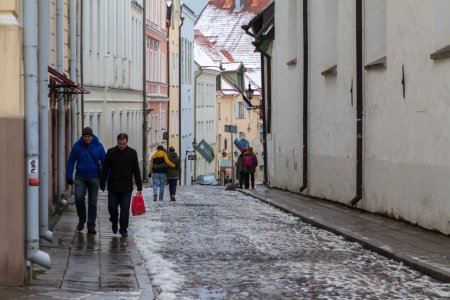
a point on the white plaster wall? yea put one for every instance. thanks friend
(407, 143)
(332, 115)
(285, 142)
(187, 102)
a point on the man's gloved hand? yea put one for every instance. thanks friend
(102, 185)
(70, 181)
(149, 174)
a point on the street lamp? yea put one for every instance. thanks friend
(249, 92)
(194, 145)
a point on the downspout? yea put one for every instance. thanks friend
(359, 104)
(263, 112)
(73, 68)
(30, 53)
(179, 94)
(144, 93)
(195, 115)
(61, 113)
(44, 59)
(82, 35)
(305, 95)
(168, 88)
(79, 67)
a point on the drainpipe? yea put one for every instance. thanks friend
(305, 96)
(73, 68)
(30, 52)
(195, 115)
(263, 112)
(144, 94)
(44, 59)
(61, 113)
(359, 104)
(168, 88)
(179, 96)
(82, 29)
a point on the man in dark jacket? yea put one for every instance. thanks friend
(121, 164)
(88, 154)
(173, 174)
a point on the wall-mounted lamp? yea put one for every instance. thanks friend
(249, 92)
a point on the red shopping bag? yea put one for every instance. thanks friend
(137, 204)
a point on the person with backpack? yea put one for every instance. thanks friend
(158, 169)
(88, 155)
(173, 174)
(250, 163)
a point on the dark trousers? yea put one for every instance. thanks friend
(122, 199)
(91, 186)
(245, 180)
(252, 179)
(172, 187)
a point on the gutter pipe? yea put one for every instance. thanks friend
(359, 104)
(30, 53)
(144, 94)
(73, 68)
(44, 60)
(83, 13)
(263, 110)
(61, 113)
(179, 95)
(305, 95)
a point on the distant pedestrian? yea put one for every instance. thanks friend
(240, 168)
(159, 164)
(88, 155)
(250, 163)
(120, 166)
(173, 174)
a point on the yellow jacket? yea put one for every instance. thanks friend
(159, 158)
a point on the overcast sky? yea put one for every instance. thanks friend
(196, 5)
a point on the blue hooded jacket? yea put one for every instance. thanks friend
(85, 164)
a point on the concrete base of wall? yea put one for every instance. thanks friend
(12, 201)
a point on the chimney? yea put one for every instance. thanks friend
(228, 3)
(255, 2)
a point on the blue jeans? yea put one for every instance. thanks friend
(122, 199)
(172, 187)
(81, 184)
(159, 180)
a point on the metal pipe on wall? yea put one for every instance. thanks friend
(144, 94)
(61, 162)
(30, 53)
(44, 60)
(73, 68)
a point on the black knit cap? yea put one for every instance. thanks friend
(88, 131)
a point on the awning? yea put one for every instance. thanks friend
(225, 164)
(58, 80)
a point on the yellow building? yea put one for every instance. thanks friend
(231, 110)
(173, 73)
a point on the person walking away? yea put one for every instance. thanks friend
(158, 168)
(173, 174)
(250, 163)
(240, 168)
(88, 155)
(120, 166)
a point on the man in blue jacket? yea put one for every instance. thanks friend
(88, 154)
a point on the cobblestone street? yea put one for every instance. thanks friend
(213, 244)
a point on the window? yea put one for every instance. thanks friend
(375, 19)
(225, 144)
(239, 110)
(292, 29)
(328, 40)
(442, 30)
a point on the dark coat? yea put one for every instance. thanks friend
(119, 168)
(85, 165)
(174, 173)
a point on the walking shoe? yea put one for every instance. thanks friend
(124, 233)
(172, 199)
(92, 230)
(155, 197)
(80, 226)
(115, 228)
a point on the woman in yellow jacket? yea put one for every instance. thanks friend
(158, 168)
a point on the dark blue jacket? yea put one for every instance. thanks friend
(85, 164)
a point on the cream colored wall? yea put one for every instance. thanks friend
(174, 102)
(10, 60)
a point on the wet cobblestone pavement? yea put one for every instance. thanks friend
(214, 244)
